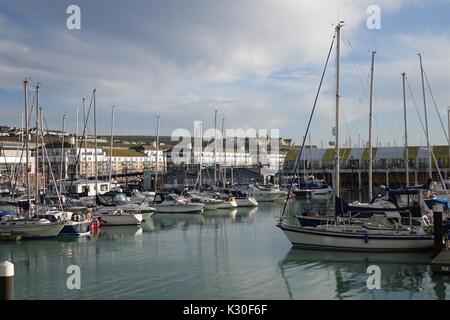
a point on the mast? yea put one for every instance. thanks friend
(448, 123)
(430, 172)
(25, 85)
(157, 153)
(224, 152)
(370, 125)
(62, 157)
(336, 147)
(95, 145)
(310, 155)
(44, 177)
(85, 145)
(76, 147)
(111, 143)
(215, 147)
(406, 132)
(36, 158)
(201, 156)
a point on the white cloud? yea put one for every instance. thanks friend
(182, 62)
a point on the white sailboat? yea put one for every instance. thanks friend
(30, 226)
(377, 233)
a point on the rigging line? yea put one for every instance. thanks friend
(83, 140)
(297, 162)
(437, 110)
(58, 192)
(415, 105)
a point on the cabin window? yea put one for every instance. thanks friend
(104, 187)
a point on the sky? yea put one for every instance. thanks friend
(258, 62)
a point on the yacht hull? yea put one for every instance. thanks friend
(120, 220)
(31, 229)
(183, 208)
(247, 202)
(309, 238)
(76, 228)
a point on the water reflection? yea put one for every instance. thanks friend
(401, 272)
(120, 232)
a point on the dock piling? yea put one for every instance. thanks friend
(6, 280)
(438, 228)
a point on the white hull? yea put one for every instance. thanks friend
(121, 219)
(32, 229)
(313, 239)
(247, 202)
(179, 208)
(320, 192)
(228, 205)
(212, 206)
(147, 215)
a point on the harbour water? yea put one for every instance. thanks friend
(220, 254)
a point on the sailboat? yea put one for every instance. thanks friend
(376, 233)
(31, 226)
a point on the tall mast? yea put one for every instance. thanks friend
(95, 145)
(430, 172)
(224, 152)
(157, 153)
(41, 119)
(36, 158)
(370, 124)
(304, 165)
(25, 85)
(310, 155)
(215, 147)
(201, 156)
(448, 133)
(336, 147)
(61, 169)
(76, 147)
(111, 142)
(85, 145)
(406, 132)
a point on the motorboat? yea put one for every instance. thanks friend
(165, 202)
(243, 199)
(264, 194)
(110, 216)
(74, 223)
(118, 200)
(312, 186)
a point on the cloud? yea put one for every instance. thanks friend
(258, 61)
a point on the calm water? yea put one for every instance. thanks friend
(227, 255)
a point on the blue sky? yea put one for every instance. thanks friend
(257, 61)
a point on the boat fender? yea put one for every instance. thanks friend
(366, 238)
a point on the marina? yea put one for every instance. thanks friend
(217, 256)
(293, 154)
